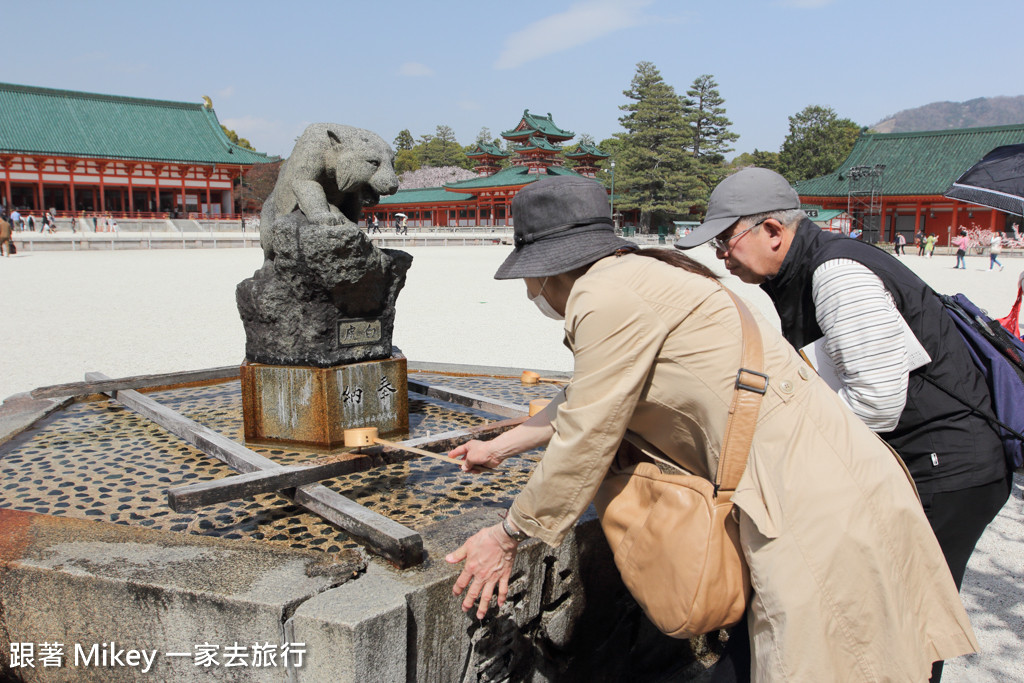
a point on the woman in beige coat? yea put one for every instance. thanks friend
(849, 582)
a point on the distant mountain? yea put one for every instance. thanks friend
(983, 111)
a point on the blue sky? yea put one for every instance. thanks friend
(272, 68)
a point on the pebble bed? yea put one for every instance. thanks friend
(99, 460)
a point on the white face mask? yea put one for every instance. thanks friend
(542, 303)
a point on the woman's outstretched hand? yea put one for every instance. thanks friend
(476, 455)
(489, 555)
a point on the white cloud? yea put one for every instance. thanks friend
(226, 92)
(415, 69)
(582, 23)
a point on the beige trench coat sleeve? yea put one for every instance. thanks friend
(615, 338)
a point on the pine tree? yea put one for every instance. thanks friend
(404, 140)
(441, 149)
(710, 130)
(818, 142)
(655, 169)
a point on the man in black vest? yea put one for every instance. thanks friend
(889, 338)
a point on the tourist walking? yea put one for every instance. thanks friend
(961, 242)
(847, 296)
(901, 244)
(837, 554)
(995, 248)
(48, 222)
(920, 237)
(929, 245)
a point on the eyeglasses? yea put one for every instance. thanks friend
(719, 244)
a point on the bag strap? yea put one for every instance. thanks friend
(751, 385)
(992, 420)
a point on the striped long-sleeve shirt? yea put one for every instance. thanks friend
(864, 337)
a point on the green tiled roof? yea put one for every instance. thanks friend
(78, 124)
(583, 150)
(483, 148)
(544, 125)
(511, 176)
(535, 142)
(423, 195)
(924, 163)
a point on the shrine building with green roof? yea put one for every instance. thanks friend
(894, 183)
(93, 153)
(535, 152)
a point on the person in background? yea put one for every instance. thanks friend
(995, 248)
(868, 312)
(838, 554)
(920, 237)
(929, 245)
(961, 242)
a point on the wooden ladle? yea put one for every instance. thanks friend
(531, 377)
(367, 436)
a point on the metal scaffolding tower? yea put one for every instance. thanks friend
(864, 200)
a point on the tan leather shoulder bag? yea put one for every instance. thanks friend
(676, 536)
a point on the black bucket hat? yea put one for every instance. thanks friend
(561, 223)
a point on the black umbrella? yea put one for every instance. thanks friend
(997, 181)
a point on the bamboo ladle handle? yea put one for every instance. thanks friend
(367, 436)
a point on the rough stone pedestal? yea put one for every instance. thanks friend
(314, 406)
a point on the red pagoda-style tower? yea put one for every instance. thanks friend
(586, 157)
(537, 138)
(486, 156)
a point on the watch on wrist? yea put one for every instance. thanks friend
(514, 534)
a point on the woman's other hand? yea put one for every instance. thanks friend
(489, 555)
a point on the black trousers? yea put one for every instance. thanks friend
(958, 519)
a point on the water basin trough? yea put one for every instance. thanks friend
(93, 554)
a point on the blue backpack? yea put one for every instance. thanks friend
(1000, 357)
